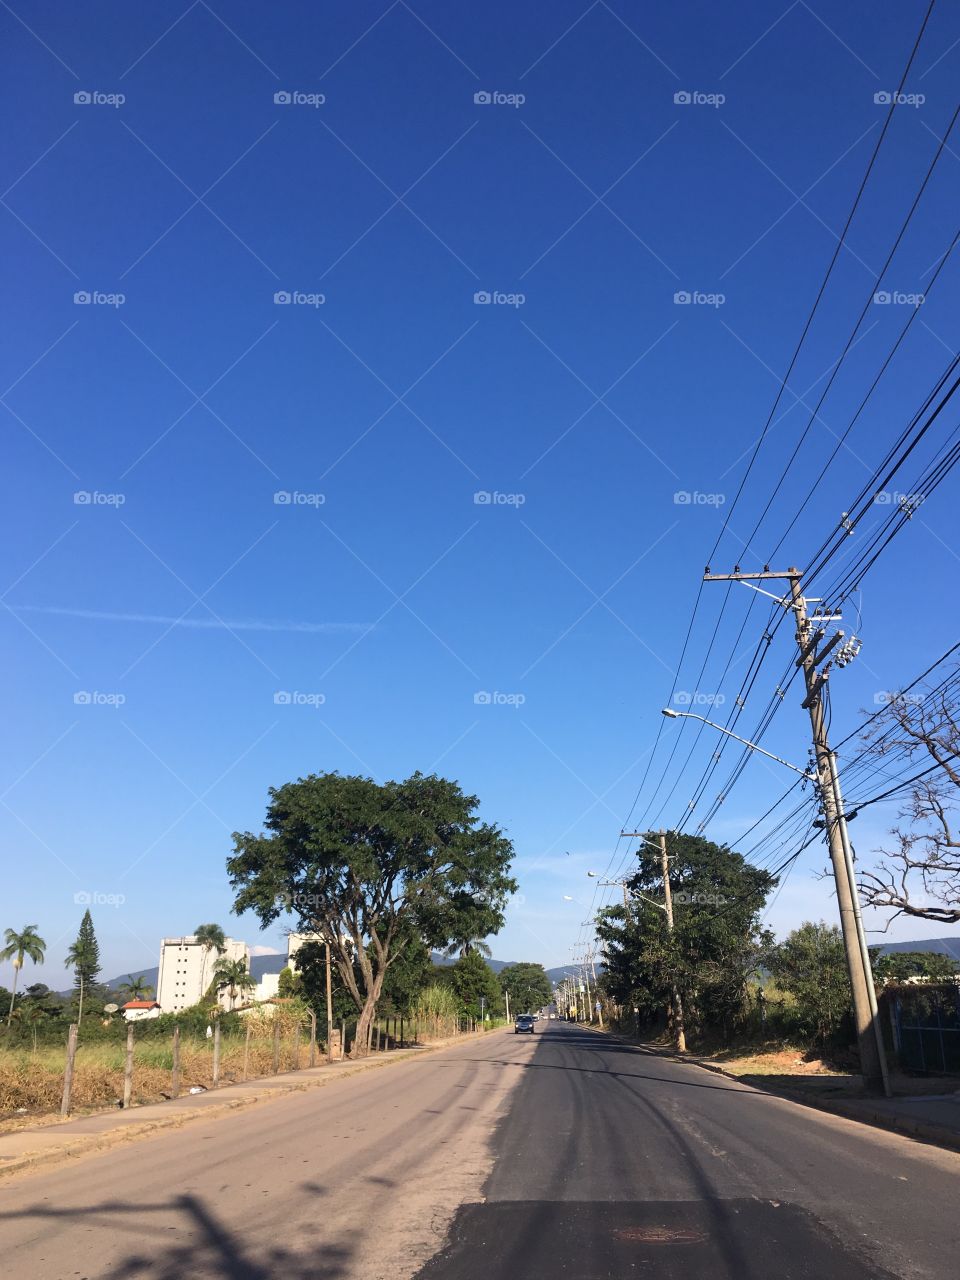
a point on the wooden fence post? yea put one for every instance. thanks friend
(313, 1039)
(128, 1069)
(68, 1069)
(296, 1047)
(276, 1041)
(175, 1078)
(401, 1031)
(246, 1050)
(216, 1054)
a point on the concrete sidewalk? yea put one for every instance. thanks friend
(27, 1149)
(934, 1118)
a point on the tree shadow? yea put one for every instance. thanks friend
(205, 1247)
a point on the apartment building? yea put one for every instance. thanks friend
(186, 971)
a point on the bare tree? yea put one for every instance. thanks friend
(927, 858)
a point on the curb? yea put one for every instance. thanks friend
(280, 1086)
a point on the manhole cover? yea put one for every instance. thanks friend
(659, 1235)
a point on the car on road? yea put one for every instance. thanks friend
(524, 1022)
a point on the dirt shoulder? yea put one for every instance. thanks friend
(49, 1143)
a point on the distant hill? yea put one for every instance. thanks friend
(260, 965)
(943, 946)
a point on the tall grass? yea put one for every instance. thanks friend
(436, 1013)
(34, 1081)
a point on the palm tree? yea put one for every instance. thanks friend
(233, 975)
(212, 938)
(30, 1016)
(27, 943)
(463, 946)
(136, 988)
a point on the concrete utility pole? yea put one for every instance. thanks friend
(668, 908)
(329, 1006)
(873, 1063)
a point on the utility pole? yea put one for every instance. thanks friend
(329, 1007)
(869, 1035)
(668, 908)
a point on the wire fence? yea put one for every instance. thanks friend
(144, 1068)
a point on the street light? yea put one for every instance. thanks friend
(692, 715)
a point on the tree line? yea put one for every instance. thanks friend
(720, 968)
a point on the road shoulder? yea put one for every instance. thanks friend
(26, 1150)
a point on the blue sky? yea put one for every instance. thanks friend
(182, 598)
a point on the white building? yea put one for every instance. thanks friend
(295, 941)
(137, 1010)
(186, 971)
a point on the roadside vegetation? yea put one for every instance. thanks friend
(388, 873)
(743, 994)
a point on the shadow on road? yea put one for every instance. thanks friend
(179, 1238)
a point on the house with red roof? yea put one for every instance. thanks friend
(137, 1010)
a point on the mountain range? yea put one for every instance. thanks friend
(259, 965)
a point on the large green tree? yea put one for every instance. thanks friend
(360, 862)
(527, 985)
(475, 984)
(83, 956)
(25, 945)
(716, 942)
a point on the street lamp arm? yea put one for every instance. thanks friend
(692, 715)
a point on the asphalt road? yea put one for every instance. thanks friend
(507, 1158)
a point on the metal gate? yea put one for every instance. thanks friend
(927, 1027)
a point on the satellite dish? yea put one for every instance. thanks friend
(111, 1008)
